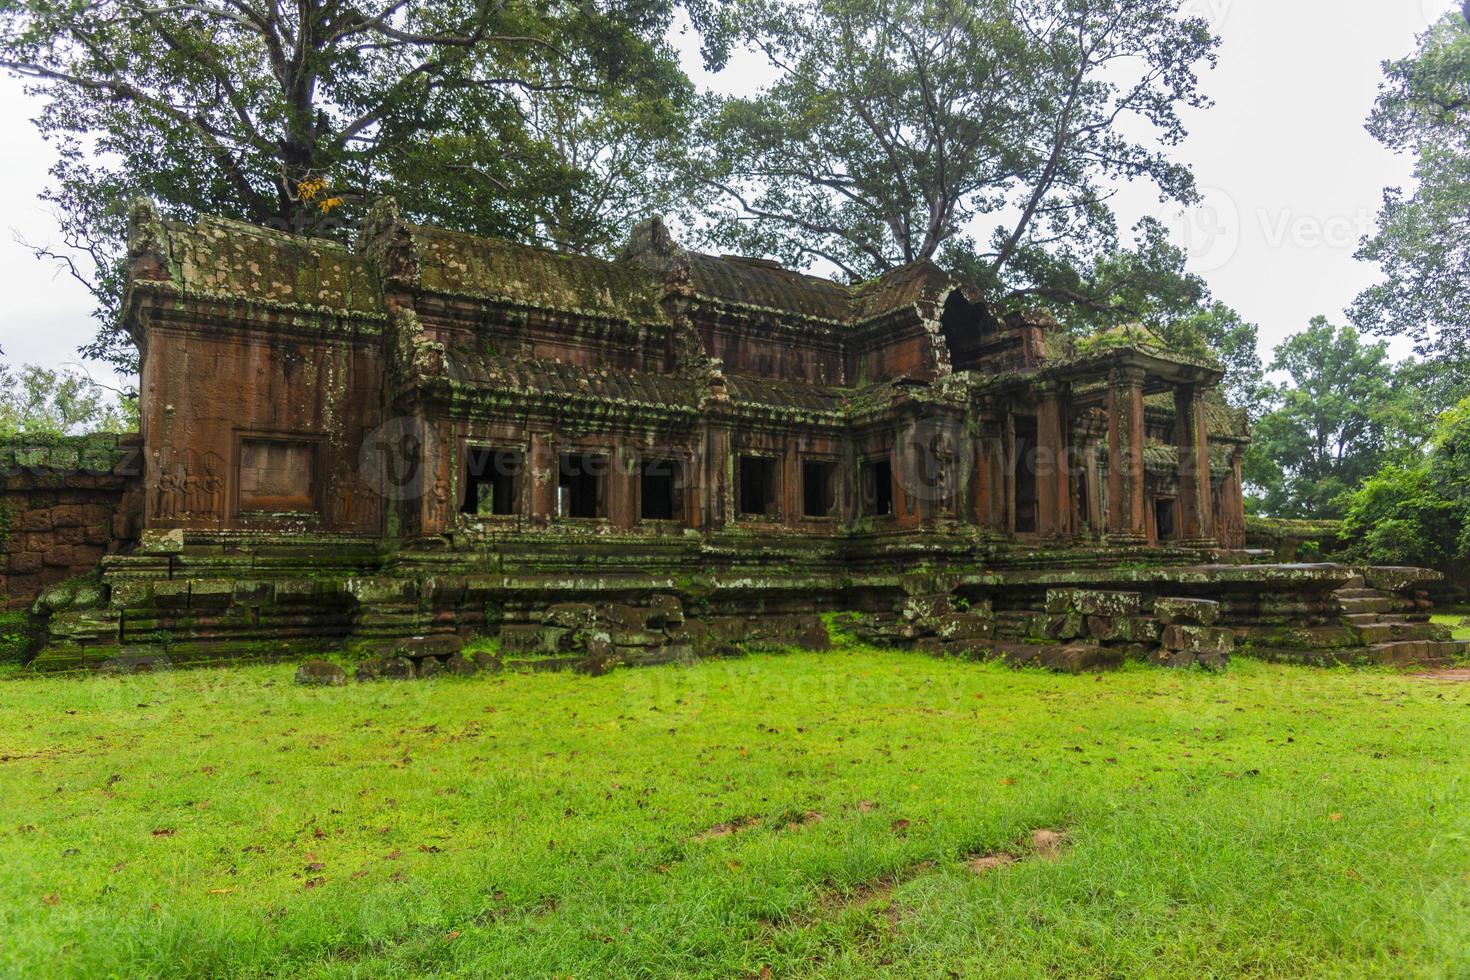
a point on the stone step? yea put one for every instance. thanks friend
(1426, 653)
(1357, 606)
(1361, 594)
(1386, 632)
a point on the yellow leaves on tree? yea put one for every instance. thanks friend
(313, 190)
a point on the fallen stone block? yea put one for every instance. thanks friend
(571, 615)
(1093, 602)
(664, 611)
(959, 627)
(1124, 629)
(1187, 612)
(321, 673)
(1068, 626)
(531, 638)
(1199, 639)
(385, 668)
(623, 616)
(926, 607)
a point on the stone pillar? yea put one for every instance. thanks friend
(1008, 461)
(1196, 512)
(543, 471)
(1053, 492)
(1125, 457)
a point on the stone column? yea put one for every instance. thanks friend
(1052, 487)
(543, 471)
(1008, 476)
(1196, 513)
(1125, 457)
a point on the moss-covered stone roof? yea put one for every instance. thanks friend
(469, 265)
(1221, 420)
(767, 285)
(221, 259)
(909, 285)
(522, 376)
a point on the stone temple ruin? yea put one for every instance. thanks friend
(427, 436)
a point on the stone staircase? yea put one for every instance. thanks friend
(1395, 628)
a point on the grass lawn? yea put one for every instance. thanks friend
(1268, 821)
(1453, 620)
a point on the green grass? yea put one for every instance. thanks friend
(1453, 620)
(1270, 821)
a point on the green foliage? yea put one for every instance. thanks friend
(41, 402)
(541, 120)
(1418, 513)
(15, 635)
(892, 125)
(1423, 239)
(1329, 426)
(228, 823)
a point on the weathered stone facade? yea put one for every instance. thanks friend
(428, 434)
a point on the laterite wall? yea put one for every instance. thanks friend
(64, 504)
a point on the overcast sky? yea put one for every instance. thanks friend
(1290, 177)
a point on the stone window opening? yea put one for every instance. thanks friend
(758, 486)
(581, 488)
(818, 488)
(660, 489)
(1027, 460)
(492, 482)
(1165, 525)
(876, 478)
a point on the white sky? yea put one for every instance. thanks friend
(1291, 179)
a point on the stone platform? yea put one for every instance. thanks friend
(584, 609)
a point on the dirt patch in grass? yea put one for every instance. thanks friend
(1043, 844)
(726, 829)
(877, 893)
(1455, 675)
(796, 821)
(790, 820)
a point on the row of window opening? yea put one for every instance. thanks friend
(492, 486)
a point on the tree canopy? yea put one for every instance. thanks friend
(1330, 425)
(38, 401)
(893, 124)
(1417, 512)
(1422, 241)
(527, 118)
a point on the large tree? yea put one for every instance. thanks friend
(500, 116)
(893, 126)
(1330, 425)
(1423, 237)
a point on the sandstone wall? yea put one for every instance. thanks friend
(64, 504)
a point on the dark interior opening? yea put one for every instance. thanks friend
(660, 490)
(758, 486)
(492, 482)
(580, 488)
(967, 327)
(1164, 524)
(876, 477)
(1025, 474)
(818, 488)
